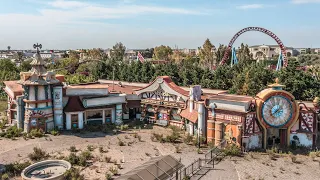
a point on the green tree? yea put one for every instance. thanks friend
(162, 52)
(25, 65)
(118, 51)
(207, 54)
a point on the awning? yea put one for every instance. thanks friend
(191, 116)
(159, 168)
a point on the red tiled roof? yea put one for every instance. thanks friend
(192, 116)
(116, 88)
(14, 86)
(74, 104)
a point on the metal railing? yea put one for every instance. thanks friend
(210, 157)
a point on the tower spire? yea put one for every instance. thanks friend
(38, 63)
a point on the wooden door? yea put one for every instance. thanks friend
(283, 137)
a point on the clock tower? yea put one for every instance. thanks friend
(277, 112)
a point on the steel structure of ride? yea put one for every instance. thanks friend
(234, 59)
(259, 29)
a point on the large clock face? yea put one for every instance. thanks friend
(277, 111)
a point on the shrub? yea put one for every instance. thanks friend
(293, 157)
(107, 159)
(173, 138)
(313, 155)
(73, 149)
(38, 154)
(178, 149)
(73, 174)
(113, 170)
(108, 176)
(5, 176)
(73, 159)
(16, 168)
(120, 142)
(139, 138)
(101, 150)
(232, 150)
(12, 132)
(158, 137)
(86, 155)
(54, 133)
(37, 133)
(124, 127)
(188, 139)
(90, 148)
(135, 135)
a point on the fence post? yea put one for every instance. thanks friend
(199, 164)
(185, 172)
(213, 163)
(192, 168)
(177, 176)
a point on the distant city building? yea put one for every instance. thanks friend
(261, 52)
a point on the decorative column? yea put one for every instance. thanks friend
(58, 106)
(218, 133)
(201, 120)
(80, 120)
(113, 115)
(68, 121)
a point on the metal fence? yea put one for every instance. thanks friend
(186, 172)
(210, 157)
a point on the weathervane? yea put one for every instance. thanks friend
(38, 47)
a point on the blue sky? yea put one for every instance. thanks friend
(65, 24)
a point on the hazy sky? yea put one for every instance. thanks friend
(63, 24)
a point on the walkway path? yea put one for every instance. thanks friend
(224, 170)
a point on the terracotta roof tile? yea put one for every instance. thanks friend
(74, 104)
(192, 116)
(14, 86)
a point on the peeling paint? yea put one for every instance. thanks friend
(301, 139)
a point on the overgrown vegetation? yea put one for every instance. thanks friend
(80, 160)
(15, 169)
(232, 150)
(38, 154)
(73, 174)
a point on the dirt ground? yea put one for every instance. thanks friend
(128, 156)
(255, 166)
(259, 166)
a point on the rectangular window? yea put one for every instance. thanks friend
(94, 114)
(74, 120)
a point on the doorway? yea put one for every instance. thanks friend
(74, 120)
(38, 123)
(276, 138)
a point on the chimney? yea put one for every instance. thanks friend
(195, 95)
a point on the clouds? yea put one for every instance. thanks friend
(305, 1)
(251, 6)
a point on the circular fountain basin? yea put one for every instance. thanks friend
(47, 170)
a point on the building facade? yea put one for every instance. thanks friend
(272, 118)
(261, 52)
